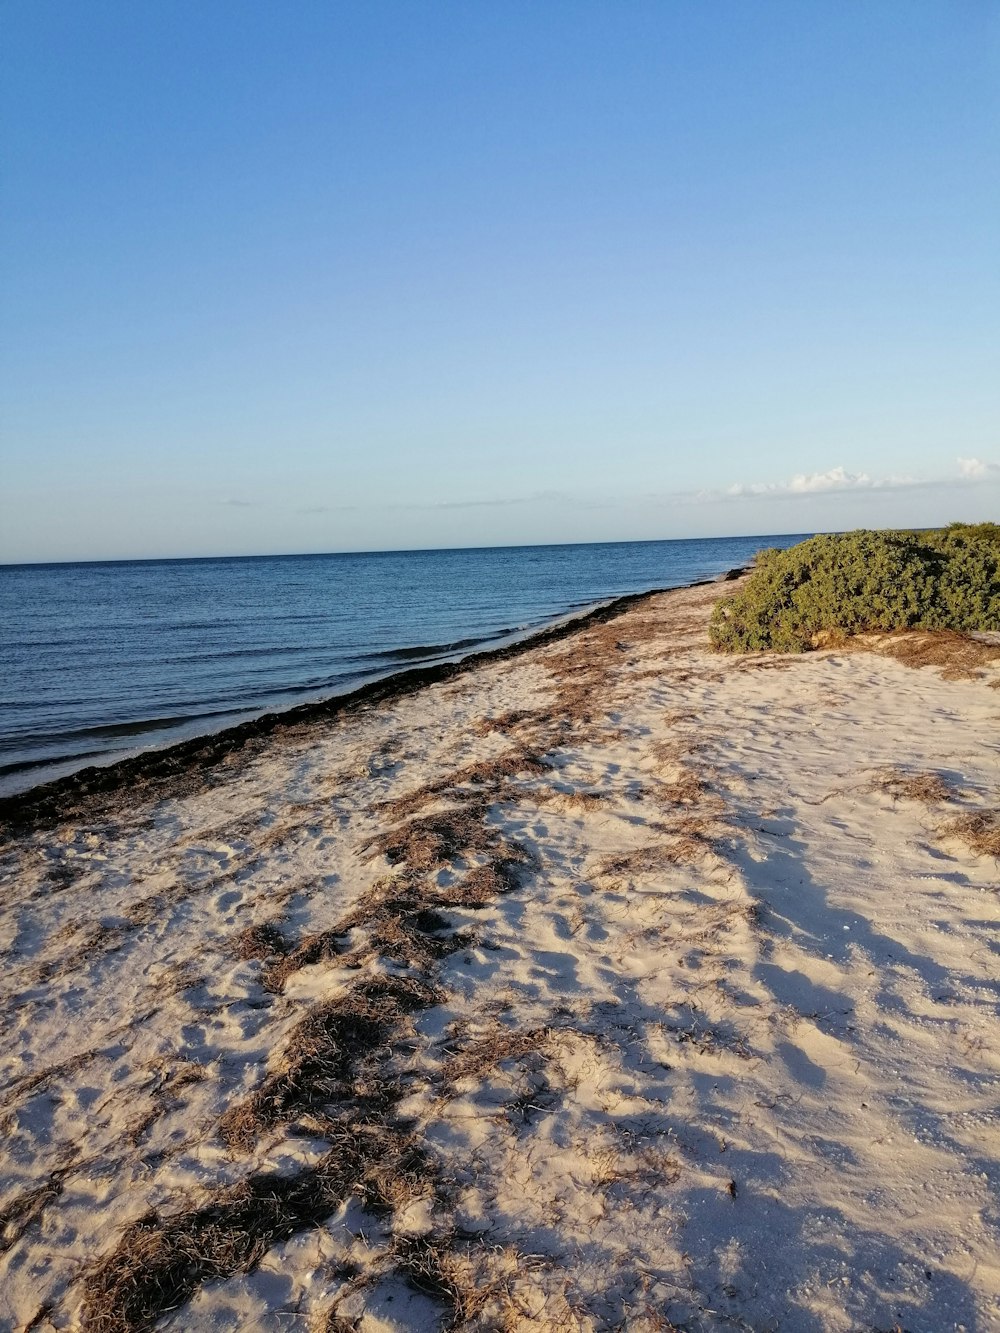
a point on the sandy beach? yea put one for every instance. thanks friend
(609, 983)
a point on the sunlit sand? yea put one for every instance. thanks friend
(609, 984)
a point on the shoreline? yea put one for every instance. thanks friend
(40, 804)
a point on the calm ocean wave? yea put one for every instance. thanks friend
(98, 660)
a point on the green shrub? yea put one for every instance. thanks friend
(854, 581)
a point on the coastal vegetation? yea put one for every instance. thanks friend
(840, 584)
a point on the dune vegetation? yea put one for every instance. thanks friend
(840, 584)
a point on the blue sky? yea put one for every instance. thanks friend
(322, 276)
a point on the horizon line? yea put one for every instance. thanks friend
(401, 550)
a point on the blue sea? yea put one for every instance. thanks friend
(98, 660)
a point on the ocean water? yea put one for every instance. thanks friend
(103, 659)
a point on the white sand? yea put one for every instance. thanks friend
(764, 1089)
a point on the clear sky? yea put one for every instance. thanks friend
(331, 276)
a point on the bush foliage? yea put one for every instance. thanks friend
(854, 581)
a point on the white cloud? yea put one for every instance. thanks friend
(813, 483)
(837, 479)
(819, 483)
(834, 480)
(975, 467)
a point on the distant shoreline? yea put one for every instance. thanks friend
(100, 662)
(175, 768)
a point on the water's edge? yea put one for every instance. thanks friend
(177, 768)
